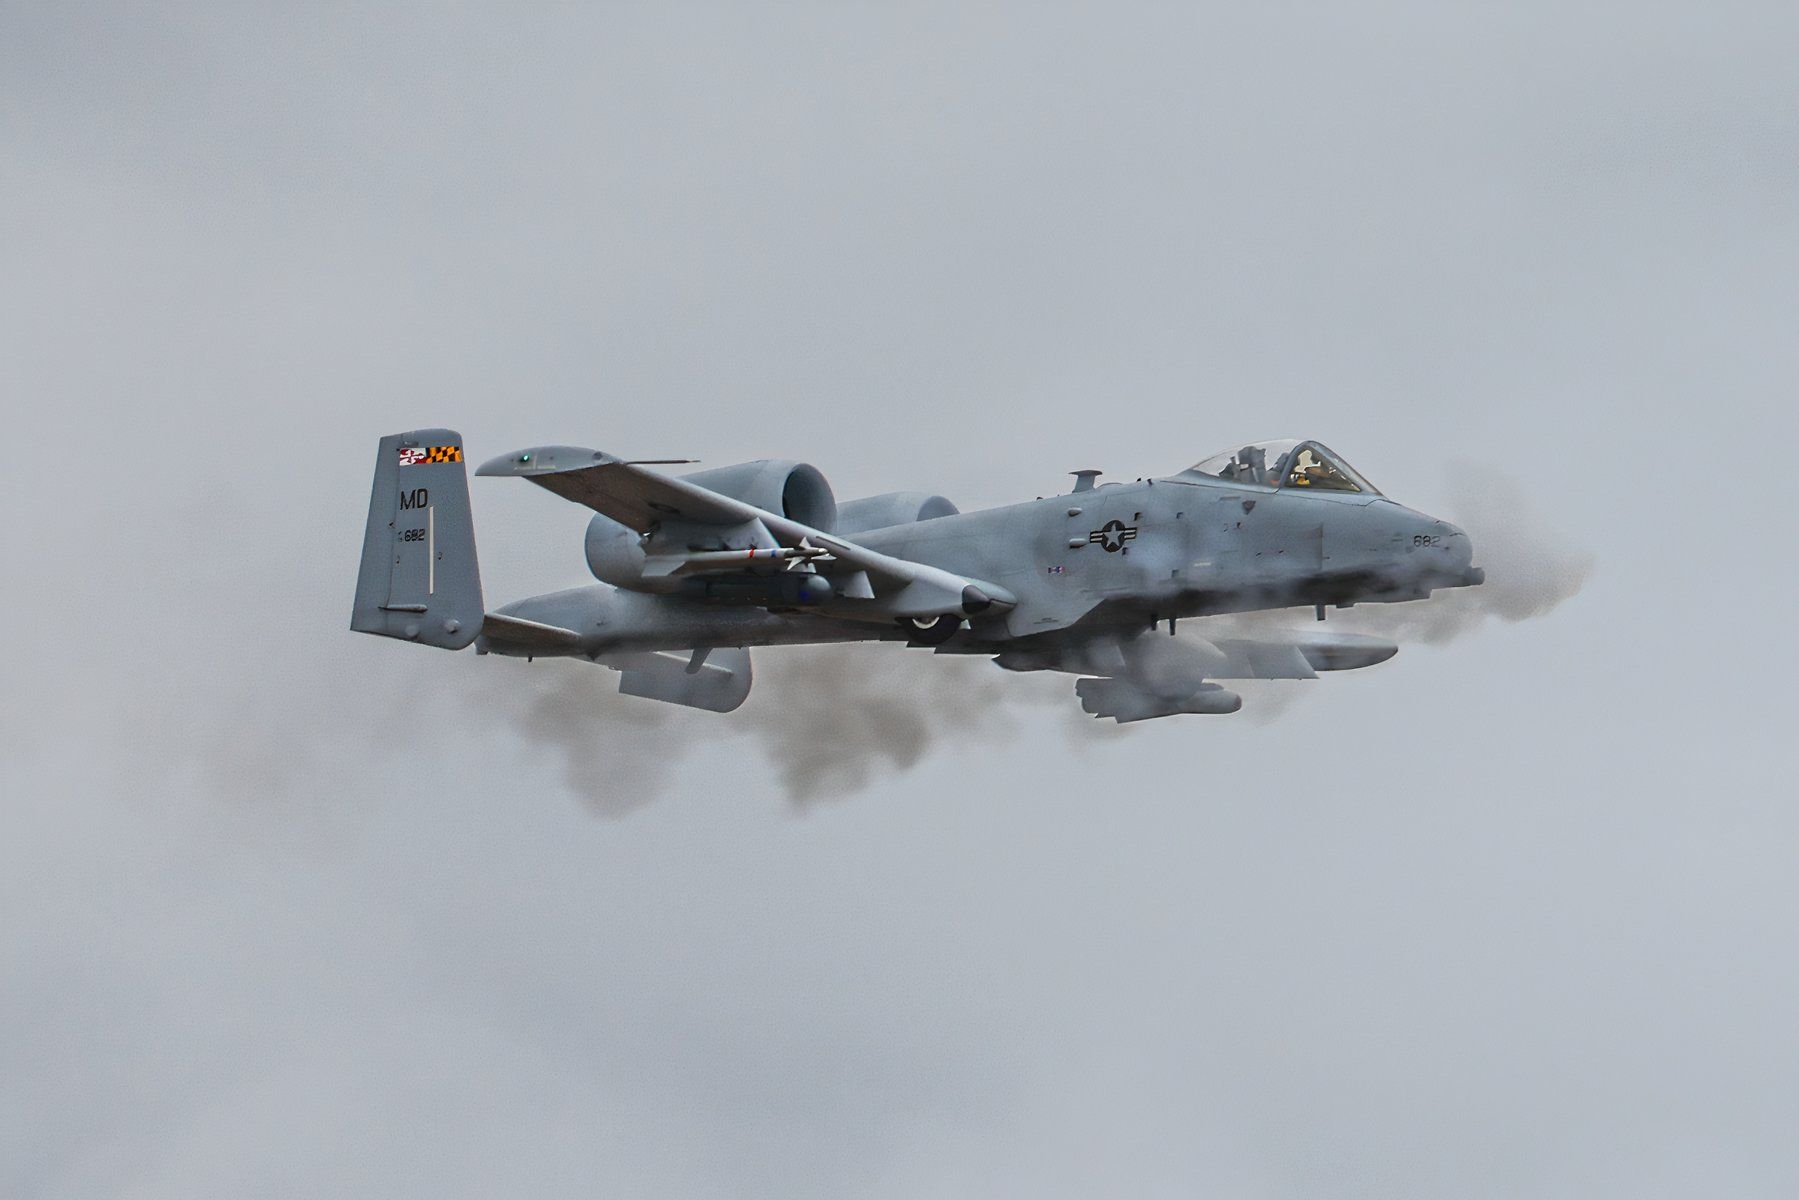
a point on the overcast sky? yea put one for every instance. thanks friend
(287, 911)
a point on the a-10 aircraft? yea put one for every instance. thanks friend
(697, 569)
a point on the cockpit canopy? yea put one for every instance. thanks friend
(1286, 463)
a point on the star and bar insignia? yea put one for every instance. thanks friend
(1112, 536)
(412, 456)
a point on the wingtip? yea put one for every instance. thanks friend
(544, 460)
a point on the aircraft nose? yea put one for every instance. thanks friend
(1461, 555)
(1457, 542)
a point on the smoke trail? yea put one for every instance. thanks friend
(615, 753)
(828, 720)
(834, 716)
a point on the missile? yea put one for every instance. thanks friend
(700, 561)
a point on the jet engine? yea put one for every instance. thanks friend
(795, 490)
(892, 508)
(615, 554)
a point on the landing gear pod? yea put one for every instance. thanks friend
(930, 631)
(1124, 700)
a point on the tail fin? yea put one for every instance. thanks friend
(419, 580)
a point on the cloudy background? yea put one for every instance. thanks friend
(285, 911)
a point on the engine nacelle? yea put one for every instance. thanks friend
(892, 508)
(615, 554)
(795, 490)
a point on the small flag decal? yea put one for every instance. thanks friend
(412, 456)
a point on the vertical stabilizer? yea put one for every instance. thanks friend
(419, 580)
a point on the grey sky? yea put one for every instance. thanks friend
(289, 912)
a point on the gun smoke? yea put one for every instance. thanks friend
(1531, 567)
(826, 720)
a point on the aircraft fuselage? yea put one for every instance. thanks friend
(1106, 561)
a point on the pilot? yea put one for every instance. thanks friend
(1254, 464)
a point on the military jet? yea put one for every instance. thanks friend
(696, 569)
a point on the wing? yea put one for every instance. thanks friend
(635, 498)
(869, 584)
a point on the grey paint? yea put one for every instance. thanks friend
(419, 579)
(1078, 583)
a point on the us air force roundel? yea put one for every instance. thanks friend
(1113, 535)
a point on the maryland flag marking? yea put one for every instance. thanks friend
(412, 456)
